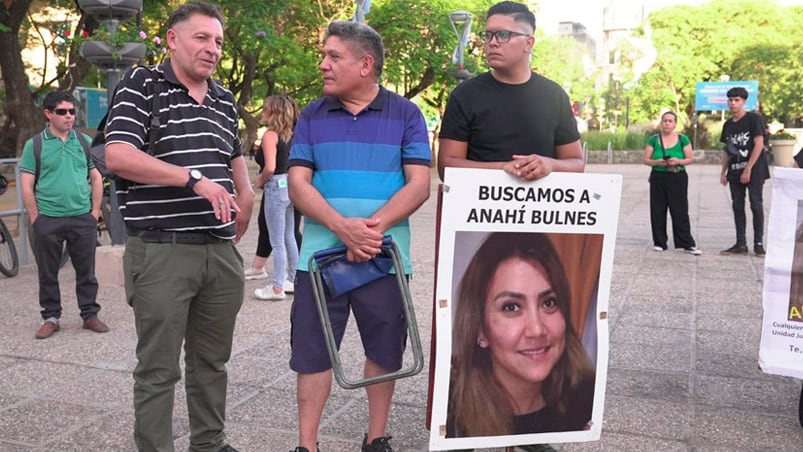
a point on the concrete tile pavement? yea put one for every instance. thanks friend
(682, 376)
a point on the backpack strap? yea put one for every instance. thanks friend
(97, 148)
(37, 156)
(87, 146)
(156, 105)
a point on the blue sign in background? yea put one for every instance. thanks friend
(92, 105)
(712, 96)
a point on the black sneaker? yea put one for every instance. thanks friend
(303, 449)
(380, 444)
(759, 249)
(228, 448)
(735, 249)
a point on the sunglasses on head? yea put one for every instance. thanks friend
(64, 111)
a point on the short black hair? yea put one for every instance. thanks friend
(188, 9)
(518, 11)
(364, 37)
(738, 91)
(53, 98)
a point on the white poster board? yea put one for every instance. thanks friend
(781, 350)
(524, 332)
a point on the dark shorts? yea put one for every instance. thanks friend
(379, 312)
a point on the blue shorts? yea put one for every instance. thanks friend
(379, 312)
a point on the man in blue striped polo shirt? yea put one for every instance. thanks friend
(359, 167)
(185, 202)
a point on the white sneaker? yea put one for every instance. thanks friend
(657, 248)
(694, 251)
(288, 286)
(254, 273)
(267, 293)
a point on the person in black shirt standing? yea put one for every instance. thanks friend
(510, 118)
(744, 169)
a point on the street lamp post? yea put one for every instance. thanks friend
(363, 7)
(105, 55)
(461, 24)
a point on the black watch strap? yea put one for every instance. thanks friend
(195, 176)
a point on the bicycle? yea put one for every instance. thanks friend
(9, 260)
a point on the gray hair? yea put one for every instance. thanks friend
(363, 37)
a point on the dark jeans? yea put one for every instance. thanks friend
(81, 234)
(670, 191)
(755, 191)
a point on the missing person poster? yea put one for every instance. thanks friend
(781, 350)
(523, 279)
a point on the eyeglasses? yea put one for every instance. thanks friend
(502, 36)
(64, 111)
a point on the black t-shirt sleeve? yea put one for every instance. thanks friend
(567, 127)
(757, 126)
(455, 125)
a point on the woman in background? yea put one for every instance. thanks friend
(280, 114)
(668, 153)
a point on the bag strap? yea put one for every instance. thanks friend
(663, 149)
(37, 156)
(86, 145)
(156, 103)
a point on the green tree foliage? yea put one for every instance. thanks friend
(743, 39)
(18, 107)
(574, 70)
(420, 42)
(777, 64)
(272, 47)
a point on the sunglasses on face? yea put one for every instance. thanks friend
(502, 36)
(64, 111)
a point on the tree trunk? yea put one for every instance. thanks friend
(22, 118)
(244, 98)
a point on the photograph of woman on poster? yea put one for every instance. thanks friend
(518, 365)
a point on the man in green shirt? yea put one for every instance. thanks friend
(62, 196)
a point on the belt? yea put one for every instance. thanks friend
(184, 238)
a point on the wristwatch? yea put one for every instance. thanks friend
(195, 176)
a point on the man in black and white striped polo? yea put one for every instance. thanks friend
(185, 203)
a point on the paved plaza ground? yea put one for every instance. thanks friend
(683, 372)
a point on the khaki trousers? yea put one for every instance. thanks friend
(188, 294)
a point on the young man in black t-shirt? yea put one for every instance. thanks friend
(744, 169)
(510, 118)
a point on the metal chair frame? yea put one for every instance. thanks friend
(319, 290)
